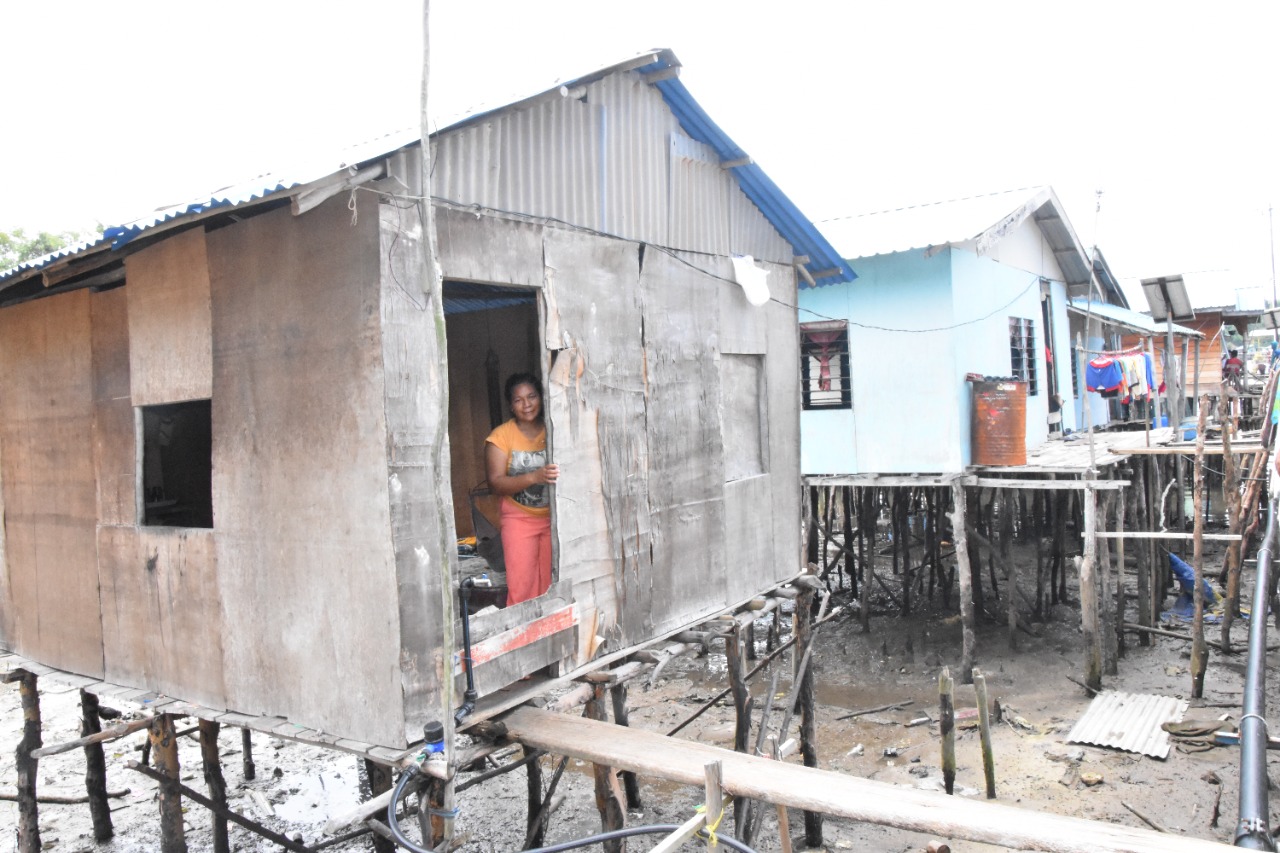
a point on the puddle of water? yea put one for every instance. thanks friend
(319, 796)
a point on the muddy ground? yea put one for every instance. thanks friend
(298, 787)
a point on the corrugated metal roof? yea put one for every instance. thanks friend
(1132, 320)
(923, 225)
(776, 207)
(978, 222)
(1129, 721)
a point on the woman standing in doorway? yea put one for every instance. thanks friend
(515, 457)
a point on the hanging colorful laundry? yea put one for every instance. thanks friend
(1127, 376)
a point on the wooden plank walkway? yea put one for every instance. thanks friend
(655, 755)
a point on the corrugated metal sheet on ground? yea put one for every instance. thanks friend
(1129, 721)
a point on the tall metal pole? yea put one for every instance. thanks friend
(1252, 830)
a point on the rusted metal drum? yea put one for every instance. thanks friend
(999, 422)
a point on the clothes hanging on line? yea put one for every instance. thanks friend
(1125, 376)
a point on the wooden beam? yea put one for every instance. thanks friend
(1163, 534)
(1186, 450)
(837, 794)
(1047, 485)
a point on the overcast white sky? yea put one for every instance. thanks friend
(1169, 108)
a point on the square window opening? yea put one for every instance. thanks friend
(177, 465)
(824, 366)
(1022, 352)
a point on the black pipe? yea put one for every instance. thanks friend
(470, 696)
(1252, 831)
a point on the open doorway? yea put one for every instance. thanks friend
(492, 333)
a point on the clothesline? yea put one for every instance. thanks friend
(1133, 350)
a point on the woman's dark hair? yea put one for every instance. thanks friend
(518, 379)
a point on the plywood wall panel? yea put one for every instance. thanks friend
(113, 419)
(488, 250)
(416, 461)
(596, 410)
(686, 464)
(50, 500)
(170, 343)
(161, 613)
(300, 480)
(782, 381)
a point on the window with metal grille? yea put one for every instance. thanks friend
(824, 365)
(1075, 372)
(1022, 352)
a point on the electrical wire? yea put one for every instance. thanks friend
(676, 254)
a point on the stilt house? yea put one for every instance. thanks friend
(238, 438)
(944, 291)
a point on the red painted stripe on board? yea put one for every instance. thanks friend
(521, 636)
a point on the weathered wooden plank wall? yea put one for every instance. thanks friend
(50, 498)
(300, 486)
(170, 346)
(686, 463)
(782, 381)
(114, 436)
(416, 460)
(596, 406)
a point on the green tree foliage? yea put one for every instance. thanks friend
(16, 246)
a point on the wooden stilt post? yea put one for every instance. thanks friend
(811, 539)
(248, 770)
(1231, 490)
(28, 809)
(714, 797)
(958, 517)
(808, 707)
(1199, 652)
(868, 529)
(1011, 583)
(164, 746)
(1106, 622)
(609, 797)
(846, 502)
(1086, 567)
(212, 764)
(534, 831)
(947, 727)
(1138, 492)
(1120, 576)
(737, 672)
(984, 733)
(95, 774)
(379, 781)
(622, 716)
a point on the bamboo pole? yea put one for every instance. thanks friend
(984, 733)
(946, 725)
(1199, 654)
(958, 520)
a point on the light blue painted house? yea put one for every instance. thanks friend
(973, 286)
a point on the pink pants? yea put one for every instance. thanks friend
(526, 550)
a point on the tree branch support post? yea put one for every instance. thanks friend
(27, 766)
(609, 798)
(805, 700)
(164, 748)
(737, 671)
(621, 716)
(212, 765)
(1199, 654)
(963, 571)
(1089, 593)
(248, 770)
(947, 727)
(95, 773)
(984, 733)
(380, 781)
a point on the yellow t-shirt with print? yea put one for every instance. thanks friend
(523, 455)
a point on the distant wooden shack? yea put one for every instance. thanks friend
(223, 429)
